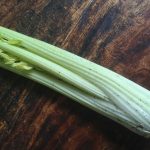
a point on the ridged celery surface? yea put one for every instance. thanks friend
(92, 85)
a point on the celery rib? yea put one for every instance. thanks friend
(91, 85)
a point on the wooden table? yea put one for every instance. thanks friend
(113, 33)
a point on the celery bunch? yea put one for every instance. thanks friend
(92, 85)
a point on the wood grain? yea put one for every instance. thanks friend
(113, 33)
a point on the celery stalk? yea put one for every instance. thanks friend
(92, 85)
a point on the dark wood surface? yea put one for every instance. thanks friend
(113, 33)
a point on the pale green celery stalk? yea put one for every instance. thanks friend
(131, 99)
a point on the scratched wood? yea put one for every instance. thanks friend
(113, 33)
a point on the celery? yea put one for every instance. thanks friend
(92, 85)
